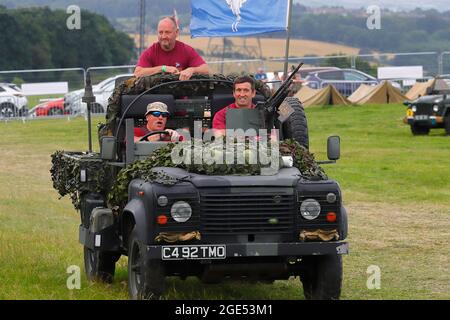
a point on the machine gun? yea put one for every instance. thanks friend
(269, 109)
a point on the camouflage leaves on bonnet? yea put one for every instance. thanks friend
(66, 167)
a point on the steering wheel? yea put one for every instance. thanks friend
(151, 133)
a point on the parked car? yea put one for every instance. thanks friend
(13, 103)
(52, 107)
(301, 74)
(346, 81)
(102, 91)
(430, 111)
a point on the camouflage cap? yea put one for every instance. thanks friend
(157, 106)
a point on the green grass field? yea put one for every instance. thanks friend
(396, 189)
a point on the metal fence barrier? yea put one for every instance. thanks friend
(346, 88)
(46, 90)
(44, 104)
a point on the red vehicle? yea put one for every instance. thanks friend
(52, 107)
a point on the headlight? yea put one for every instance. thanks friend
(414, 108)
(310, 209)
(181, 211)
(435, 108)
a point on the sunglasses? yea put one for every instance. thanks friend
(158, 113)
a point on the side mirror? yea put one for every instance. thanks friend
(334, 148)
(108, 148)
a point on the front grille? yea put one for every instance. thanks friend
(241, 211)
(424, 108)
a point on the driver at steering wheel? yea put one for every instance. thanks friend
(156, 116)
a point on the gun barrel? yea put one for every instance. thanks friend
(281, 93)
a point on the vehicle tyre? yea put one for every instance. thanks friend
(296, 127)
(447, 124)
(23, 112)
(146, 279)
(343, 224)
(8, 110)
(419, 130)
(323, 278)
(55, 112)
(97, 108)
(100, 265)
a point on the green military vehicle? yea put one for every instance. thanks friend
(432, 110)
(213, 221)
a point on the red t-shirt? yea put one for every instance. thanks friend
(220, 118)
(182, 56)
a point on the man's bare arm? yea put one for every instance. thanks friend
(141, 72)
(201, 69)
(186, 74)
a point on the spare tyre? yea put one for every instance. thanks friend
(296, 126)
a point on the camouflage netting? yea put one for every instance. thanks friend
(303, 160)
(135, 86)
(66, 172)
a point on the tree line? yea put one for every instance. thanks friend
(37, 38)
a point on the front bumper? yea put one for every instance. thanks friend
(270, 249)
(428, 121)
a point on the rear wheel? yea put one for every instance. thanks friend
(100, 265)
(55, 112)
(97, 108)
(146, 280)
(419, 130)
(323, 278)
(296, 126)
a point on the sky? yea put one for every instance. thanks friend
(406, 5)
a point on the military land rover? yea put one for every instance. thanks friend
(228, 222)
(431, 110)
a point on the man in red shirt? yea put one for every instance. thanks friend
(243, 92)
(169, 55)
(156, 116)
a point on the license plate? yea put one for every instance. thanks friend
(421, 117)
(193, 252)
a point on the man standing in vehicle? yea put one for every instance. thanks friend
(169, 55)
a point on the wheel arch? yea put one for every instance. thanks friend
(134, 217)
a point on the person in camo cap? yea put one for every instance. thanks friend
(156, 115)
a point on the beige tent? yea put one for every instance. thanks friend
(419, 89)
(379, 94)
(320, 97)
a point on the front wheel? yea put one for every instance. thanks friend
(447, 124)
(146, 278)
(323, 278)
(8, 110)
(100, 265)
(419, 130)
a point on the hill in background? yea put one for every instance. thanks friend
(270, 47)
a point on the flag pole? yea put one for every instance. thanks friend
(286, 57)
